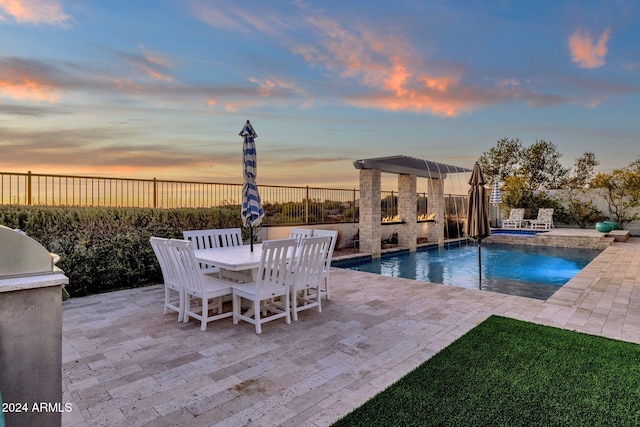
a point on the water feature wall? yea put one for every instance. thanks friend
(408, 170)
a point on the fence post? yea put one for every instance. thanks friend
(155, 193)
(354, 206)
(28, 187)
(306, 208)
(393, 204)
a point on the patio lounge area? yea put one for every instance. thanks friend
(127, 364)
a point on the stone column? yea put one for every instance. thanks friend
(407, 211)
(370, 215)
(435, 191)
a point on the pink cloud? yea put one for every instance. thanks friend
(22, 80)
(587, 53)
(155, 65)
(390, 66)
(35, 11)
(26, 88)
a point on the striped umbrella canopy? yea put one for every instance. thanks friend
(496, 195)
(478, 213)
(252, 212)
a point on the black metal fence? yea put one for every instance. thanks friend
(283, 204)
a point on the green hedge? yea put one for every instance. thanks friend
(104, 249)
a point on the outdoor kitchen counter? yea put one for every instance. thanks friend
(31, 349)
(33, 282)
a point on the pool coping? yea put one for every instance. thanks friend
(557, 237)
(353, 260)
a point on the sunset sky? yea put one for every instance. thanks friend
(161, 88)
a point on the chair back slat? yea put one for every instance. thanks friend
(186, 265)
(274, 268)
(229, 237)
(201, 239)
(334, 237)
(157, 244)
(169, 272)
(300, 233)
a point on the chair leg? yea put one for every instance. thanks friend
(235, 302)
(204, 313)
(183, 306)
(287, 309)
(294, 304)
(326, 287)
(187, 307)
(256, 308)
(166, 299)
(319, 298)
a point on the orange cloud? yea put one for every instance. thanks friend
(267, 86)
(19, 84)
(387, 64)
(35, 11)
(155, 63)
(28, 90)
(415, 101)
(585, 52)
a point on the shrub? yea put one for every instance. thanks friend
(103, 249)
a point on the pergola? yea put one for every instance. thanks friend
(407, 169)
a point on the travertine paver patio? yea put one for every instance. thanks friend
(127, 364)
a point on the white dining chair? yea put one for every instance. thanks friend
(196, 285)
(203, 239)
(172, 285)
(269, 293)
(327, 262)
(300, 233)
(306, 274)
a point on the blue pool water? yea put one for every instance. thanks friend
(531, 271)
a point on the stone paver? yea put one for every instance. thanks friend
(125, 363)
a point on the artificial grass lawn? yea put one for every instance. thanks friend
(506, 372)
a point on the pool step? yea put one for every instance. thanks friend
(618, 235)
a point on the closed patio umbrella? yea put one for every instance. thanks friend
(252, 212)
(478, 214)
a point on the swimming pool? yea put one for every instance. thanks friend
(530, 271)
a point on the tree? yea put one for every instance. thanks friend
(621, 192)
(581, 208)
(541, 166)
(583, 171)
(503, 160)
(528, 171)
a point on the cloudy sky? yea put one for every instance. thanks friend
(161, 88)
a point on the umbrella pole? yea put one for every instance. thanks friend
(251, 237)
(480, 264)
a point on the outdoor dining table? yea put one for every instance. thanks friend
(232, 258)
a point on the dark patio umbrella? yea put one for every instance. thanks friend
(478, 214)
(252, 212)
